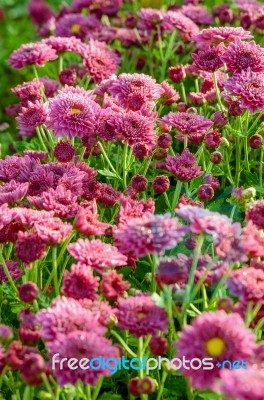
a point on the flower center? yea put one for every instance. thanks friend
(75, 28)
(141, 315)
(75, 111)
(215, 346)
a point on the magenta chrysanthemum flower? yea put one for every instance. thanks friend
(175, 19)
(29, 91)
(36, 154)
(249, 87)
(79, 344)
(113, 285)
(148, 234)
(79, 283)
(256, 214)
(14, 270)
(209, 58)
(50, 86)
(141, 316)
(101, 60)
(29, 217)
(76, 25)
(29, 247)
(54, 231)
(133, 128)
(87, 222)
(130, 208)
(31, 116)
(149, 18)
(247, 283)
(253, 240)
(65, 44)
(221, 35)
(101, 309)
(13, 192)
(243, 384)
(183, 166)
(64, 151)
(187, 123)
(32, 53)
(66, 315)
(242, 55)
(215, 335)
(135, 90)
(97, 254)
(63, 202)
(73, 113)
(197, 14)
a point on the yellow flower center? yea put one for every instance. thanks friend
(151, 3)
(75, 111)
(141, 315)
(75, 28)
(215, 346)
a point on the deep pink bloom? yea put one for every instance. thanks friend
(101, 60)
(249, 87)
(13, 192)
(68, 77)
(113, 285)
(14, 270)
(79, 283)
(53, 231)
(29, 247)
(101, 309)
(253, 240)
(175, 19)
(97, 254)
(247, 283)
(29, 217)
(132, 209)
(29, 91)
(148, 234)
(141, 316)
(161, 184)
(158, 345)
(50, 86)
(197, 14)
(66, 315)
(187, 123)
(65, 44)
(183, 166)
(139, 183)
(244, 384)
(79, 344)
(220, 35)
(28, 292)
(209, 58)
(32, 53)
(256, 214)
(6, 333)
(86, 221)
(64, 151)
(107, 195)
(213, 139)
(149, 18)
(242, 55)
(216, 335)
(255, 141)
(36, 154)
(76, 25)
(73, 113)
(133, 128)
(39, 11)
(31, 117)
(205, 192)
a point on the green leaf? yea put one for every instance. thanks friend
(106, 172)
(110, 396)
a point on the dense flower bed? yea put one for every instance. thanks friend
(131, 204)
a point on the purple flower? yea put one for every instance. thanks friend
(197, 14)
(175, 19)
(73, 113)
(76, 25)
(242, 55)
(183, 166)
(249, 86)
(148, 234)
(220, 35)
(54, 231)
(243, 384)
(141, 316)
(97, 254)
(216, 335)
(65, 44)
(187, 123)
(29, 91)
(14, 270)
(79, 283)
(13, 192)
(29, 247)
(247, 283)
(209, 58)
(32, 53)
(31, 117)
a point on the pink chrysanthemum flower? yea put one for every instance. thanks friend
(242, 55)
(175, 19)
(107, 195)
(149, 18)
(76, 25)
(130, 208)
(101, 60)
(66, 315)
(113, 285)
(86, 221)
(54, 231)
(36, 154)
(31, 116)
(29, 247)
(79, 283)
(63, 202)
(148, 234)
(183, 166)
(249, 86)
(187, 123)
(141, 316)
(13, 192)
(133, 128)
(64, 151)
(79, 344)
(256, 214)
(197, 14)
(243, 384)
(29, 217)
(253, 240)
(247, 283)
(209, 58)
(215, 335)
(50, 86)
(73, 113)
(32, 53)
(29, 91)
(14, 270)
(101, 309)
(65, 44)
(97, 254)
(218, 35)
(135, 90)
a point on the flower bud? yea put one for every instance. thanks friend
(255, 141)
(28, 292)
(216, 157)
(205, 192)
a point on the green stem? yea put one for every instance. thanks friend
(217, 92)
(154, 265)
(261, 166)
(108, 161)
(237, 161)
(176, 197)
(121, 341)
(6, 270)
(55, 270)
(183, 92)
(162, 383)
(40, 138)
